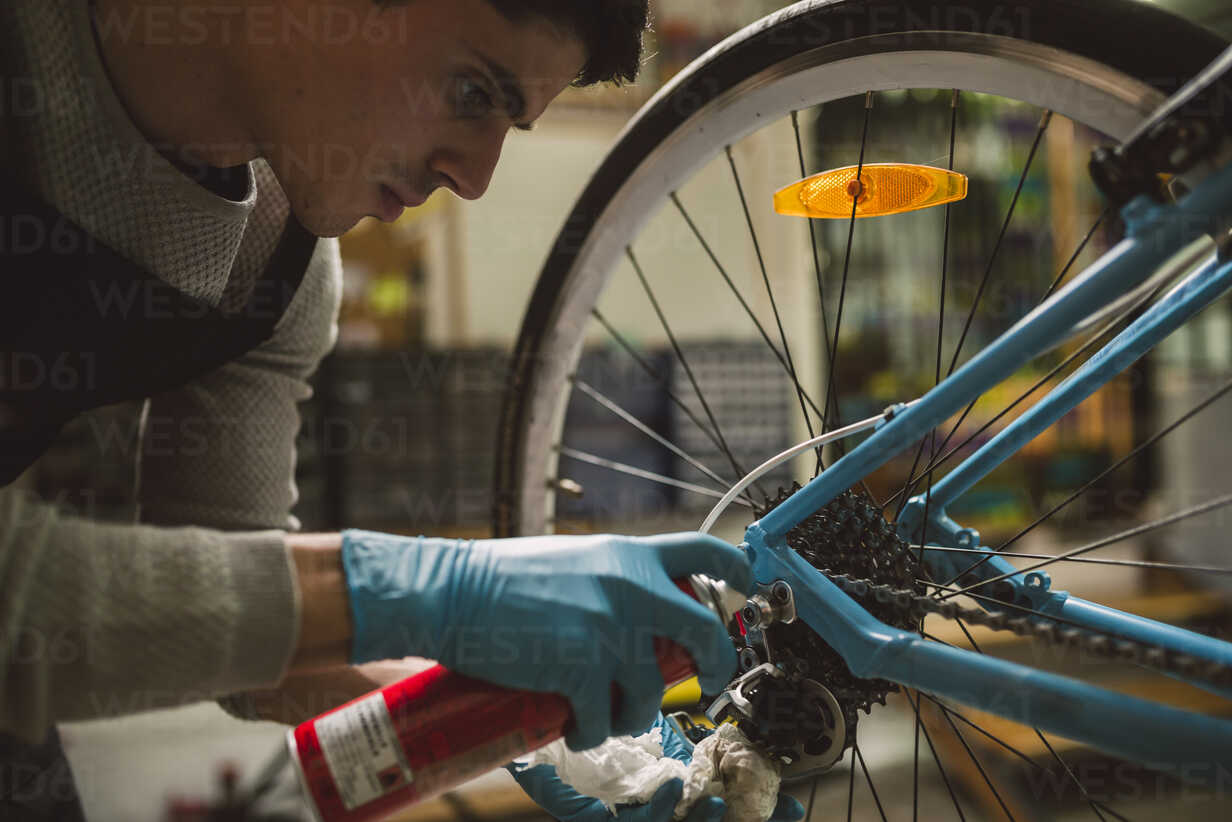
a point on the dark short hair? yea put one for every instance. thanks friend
(610, 30)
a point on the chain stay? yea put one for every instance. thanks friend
(1041, 629)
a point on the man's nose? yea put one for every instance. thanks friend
(471, 167)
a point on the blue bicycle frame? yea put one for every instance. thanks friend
(1129, 727)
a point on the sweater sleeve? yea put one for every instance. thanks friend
(200, 602)
(220, 452)
(100, 620)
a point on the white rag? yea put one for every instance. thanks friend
(627, 770)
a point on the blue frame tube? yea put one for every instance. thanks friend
(1097, 617)
(1198, 290)
(1198, 747)
(1102, 618)
(1126, 726)
(1158, 233)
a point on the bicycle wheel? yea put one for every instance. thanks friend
(1101, 66)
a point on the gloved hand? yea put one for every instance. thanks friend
(564, 614)
(560, 800)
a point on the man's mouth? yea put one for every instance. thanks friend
(395, 200)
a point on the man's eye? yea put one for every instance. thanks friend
(472, 99)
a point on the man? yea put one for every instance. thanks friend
(178, 163)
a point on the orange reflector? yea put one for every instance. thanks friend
(883, 188)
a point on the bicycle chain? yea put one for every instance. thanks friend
(916, 606)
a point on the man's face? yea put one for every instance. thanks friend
(420, 97)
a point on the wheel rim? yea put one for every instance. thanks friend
(1105, 100)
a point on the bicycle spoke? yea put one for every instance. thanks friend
(915, 705)
(761, 329)
(1056, 282)
(945, 713)
(1105, 330)
(934, 638)
(765, 278)
(1219, 392)
(661, 379)
(830, 398)
(808, 812)
(945, 259)
(1073, 777)
(916, 765)
(938, 462)
(903, 495)
(740, 472)
(869, 779)
(1227, 386)
(1210, 505)
(1074, 258)
(932, 439)
(1133, 563)
(992, 737)
(1094, 340)
(1095, 806)
(945, 256)
(851, 784)
(842, 291)
(915, 773)
(1039, 134)
(825, 325)
(945, 241)
(607, 403)
(642, 473)
(920, 560)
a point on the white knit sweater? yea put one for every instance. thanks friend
(98, 619)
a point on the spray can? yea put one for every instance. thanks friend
(427, 734)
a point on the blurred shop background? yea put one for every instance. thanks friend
(401, 431)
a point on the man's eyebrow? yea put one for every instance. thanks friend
(510, 89)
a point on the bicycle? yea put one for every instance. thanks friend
(824, 556)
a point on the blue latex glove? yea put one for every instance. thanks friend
(565, 614)
(560, 800)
